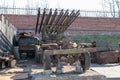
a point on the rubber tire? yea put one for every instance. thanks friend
(85, 60)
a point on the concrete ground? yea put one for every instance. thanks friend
(27, 68)
(89, 75)
(111, 71)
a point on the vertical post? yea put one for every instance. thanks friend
(47, 64)
(59, 67)
(78, 67)
(16, 52)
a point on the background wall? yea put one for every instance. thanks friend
(82, 25)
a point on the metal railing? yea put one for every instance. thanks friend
(18, 11)
(33, 11)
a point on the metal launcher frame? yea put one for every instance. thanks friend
(53, 23)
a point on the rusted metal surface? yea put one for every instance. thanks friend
(108, 57)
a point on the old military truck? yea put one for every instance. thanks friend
(27, 46)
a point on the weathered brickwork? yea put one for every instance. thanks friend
(80, 25)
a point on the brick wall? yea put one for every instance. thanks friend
(85, 25)
(94, 23)
(22, 21)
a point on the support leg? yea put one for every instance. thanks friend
(47, 64)
(78, 66)
(59, 67)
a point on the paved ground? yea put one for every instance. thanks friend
(111, 71)
(24, 68)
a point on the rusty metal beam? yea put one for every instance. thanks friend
(58, 17)
(46, 21)
(38, 16)
(62, 19)
(42, 19)
(76, 15)
(56, 23)
(69, 18)
(71, 21)
(66, 21)
(52, 21)
(49, 15)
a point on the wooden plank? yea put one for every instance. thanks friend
(69, 51)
